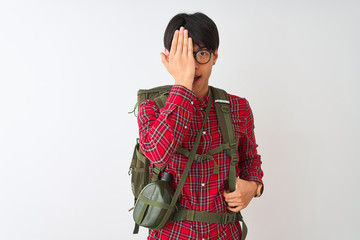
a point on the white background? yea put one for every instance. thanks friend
(70, 71)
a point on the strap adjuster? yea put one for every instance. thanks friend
(233, 143)
(225, 108)
(200, 157)
(229, 218)
(156, 171)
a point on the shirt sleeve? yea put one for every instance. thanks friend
(250, 160)
(162, 130)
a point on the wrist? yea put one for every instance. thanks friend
(255, 187)
(258, 189)
(186, 84)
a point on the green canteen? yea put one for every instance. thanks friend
(153, 202)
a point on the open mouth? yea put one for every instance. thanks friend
(196, 78)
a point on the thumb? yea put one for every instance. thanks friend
(239, 183)
(164, 60)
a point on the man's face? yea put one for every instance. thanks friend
(200, 86)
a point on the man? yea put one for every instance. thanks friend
(191, 49)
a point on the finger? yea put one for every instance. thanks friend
(234, 204)
(231, 195)
(237, 209)
(226, 193)
(180, 41)
(185, 45)
(174, 43)
(190, 47)
(235, 200)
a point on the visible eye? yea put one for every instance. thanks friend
(202, 56)
(202, 53)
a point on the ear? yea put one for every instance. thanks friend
(215, 56)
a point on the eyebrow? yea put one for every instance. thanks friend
(201, 47)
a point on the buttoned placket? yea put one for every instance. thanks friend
(200, 109)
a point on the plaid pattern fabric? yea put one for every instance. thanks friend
(162, 131)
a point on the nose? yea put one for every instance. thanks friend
(196, 64)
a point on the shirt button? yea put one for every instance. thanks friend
(203, 185)
(185, 127)
(192, 103)
(204, 132)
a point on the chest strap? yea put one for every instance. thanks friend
(208, 154)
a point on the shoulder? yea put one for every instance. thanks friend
(238, 104)
(240, 109)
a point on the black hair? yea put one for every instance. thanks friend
(201, 29)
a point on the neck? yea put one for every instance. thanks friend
(202, 93)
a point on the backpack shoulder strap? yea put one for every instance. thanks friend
(222, 107)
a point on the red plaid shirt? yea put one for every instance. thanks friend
(177, 124)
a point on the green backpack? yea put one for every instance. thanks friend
(139, 167)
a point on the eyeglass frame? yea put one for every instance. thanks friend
(209, 51)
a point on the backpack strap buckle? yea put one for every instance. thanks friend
(234, 157)
(233, 143)
(155, 171)
(229, 218)
(202, 157)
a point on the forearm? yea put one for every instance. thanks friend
(250, 169)
(161, 132)
(250, 160)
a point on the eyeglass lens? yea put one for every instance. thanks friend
(203, 56)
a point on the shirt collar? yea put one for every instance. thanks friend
(202, 103)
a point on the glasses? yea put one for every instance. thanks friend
(203, 56)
